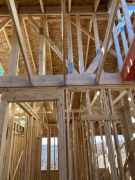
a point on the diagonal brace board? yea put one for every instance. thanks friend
(14, 16)
(94, 64)
(53, 46)
(4, 23)
(107, 38)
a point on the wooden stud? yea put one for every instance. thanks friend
(119, 158)
(42, 48)
(68, 138)
(29, 45)
(92, 139)
(80, 50)
(13, 69)
(69, 39)
(14, 16)
(3, 130)
(7, 163)
(63, 39)
(28, 149)
(88, 44)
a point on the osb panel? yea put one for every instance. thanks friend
(55, 36)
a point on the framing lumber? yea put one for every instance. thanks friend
(28, 149)
(47, 32)
(49, 10)
(7, 163)
(13, 69)
(93, 38)
(100, 117)
(88, 44)
(96, 3)
(123, 36)
(7, 39)
(80, 48)
(28, 41)
(53, 46)
(68, 138)
(117, 146)
(92, 138)
(107, 38)
(4, 23)
(3, 130)
(14, 16)
(42, 5)
(108, 136)
(42, 47)
(127, 20)
(97, 41)
(63, 39)
(69, 39)
(119, 97)
(117, 47)
(28, 109)
(52, 81)
(69, 6)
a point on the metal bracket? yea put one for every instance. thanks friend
(41, 31)
(63, 82)
(70, 67)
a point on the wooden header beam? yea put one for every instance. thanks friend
(52, 81)
(52, 10)
(99, 117)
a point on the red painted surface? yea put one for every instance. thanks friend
(128, 70)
